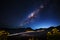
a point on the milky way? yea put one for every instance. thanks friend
(33, 14)
(30, 13)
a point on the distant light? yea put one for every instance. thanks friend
(40, 30)
(30, 31)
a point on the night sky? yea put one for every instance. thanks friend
(13, 12)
